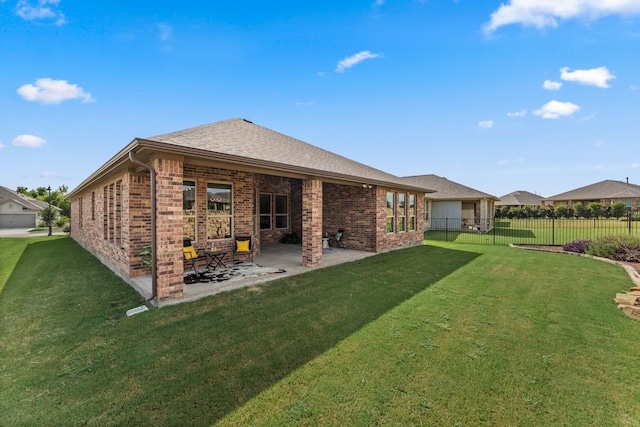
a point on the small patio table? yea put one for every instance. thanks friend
(215, 259)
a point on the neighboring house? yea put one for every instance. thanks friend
(520, 199)
(231, 178)
(18, 210)
(454, 205)
(606, 192)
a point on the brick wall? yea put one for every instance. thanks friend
(312, 222)
(169, 177)
(276, 185)
(112, 225)
(353, 209)
(244, 192)
(387, 241)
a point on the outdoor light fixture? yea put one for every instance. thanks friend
(49, 189)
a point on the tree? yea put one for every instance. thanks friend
(618, 209)
(594, 209)
(562, 211)
(579, 210)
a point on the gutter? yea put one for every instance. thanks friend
(154, 258)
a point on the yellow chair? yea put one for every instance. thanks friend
(191, 255)
(243, 246)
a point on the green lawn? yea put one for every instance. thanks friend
(436, 335)
(538, 231)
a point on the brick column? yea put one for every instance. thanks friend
(311, 222)
(169, 173)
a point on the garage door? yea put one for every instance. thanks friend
(17, 221)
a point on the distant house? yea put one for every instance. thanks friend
(454, 205)
(18, 210)
(606, 192)
(234, 178)
(520, 199)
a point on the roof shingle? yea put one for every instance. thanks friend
(447, 190)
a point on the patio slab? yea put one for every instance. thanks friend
(272, 257)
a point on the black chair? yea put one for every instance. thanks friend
(338, 238)
(243, 246)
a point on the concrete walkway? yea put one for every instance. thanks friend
(26, 232)
(280, 257)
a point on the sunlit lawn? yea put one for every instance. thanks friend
(436, 335)
(538, 231)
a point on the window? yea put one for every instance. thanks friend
(189, 209)
(93, 206)
(402, 212)
(282, 211)
(219, 211)
(412, 212)
(391, 212)
(265, 211)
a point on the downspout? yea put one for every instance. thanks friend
(154, 259)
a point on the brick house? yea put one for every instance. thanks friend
(230, 178)
(606, 192)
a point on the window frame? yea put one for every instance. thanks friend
(401, 216)
(412, 212)
(268, 214)
(221, 185)
(391, 218)
(194, 208)
(276, 214)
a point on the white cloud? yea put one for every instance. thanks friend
(546, 13)
(633, 87)
(50, 91)
(31, 141)
(486, 124)
(594, 77)
(165, 31)
(43, 10)
(350, 61)
(515, 114)
(635, 165)
(303, 104)
(556, 109)
(1, 145)
(551, 85)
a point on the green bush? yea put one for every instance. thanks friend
(290, 238)
(621, 248)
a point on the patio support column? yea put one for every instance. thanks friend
(169, 173)
(311, 222)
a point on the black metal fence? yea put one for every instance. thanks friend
(534, 231)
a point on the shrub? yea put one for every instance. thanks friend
(621, 248)
(66, 228)
(578, 246)
(290, 238)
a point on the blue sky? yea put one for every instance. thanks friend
(497, 95)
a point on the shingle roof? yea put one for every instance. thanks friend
(447, 190)
(7, 194)
(241, 143)
(608, 189)
(242, 139)
(520, 198)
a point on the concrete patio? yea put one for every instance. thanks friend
(272, 257)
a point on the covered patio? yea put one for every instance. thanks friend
(274, 262)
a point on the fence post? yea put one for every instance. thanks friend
(446, 229)
(553, 231)
(494, 230)
(629, 222)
